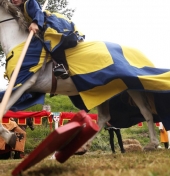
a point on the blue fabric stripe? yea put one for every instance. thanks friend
(34, 11)
(31, 59)
(59, 24)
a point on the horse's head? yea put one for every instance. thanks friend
(7, 9)
(13, 26)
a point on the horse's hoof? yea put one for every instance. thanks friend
(32, 128)
(147, 149)
(151, 147)
(80, 153)
(12, 140)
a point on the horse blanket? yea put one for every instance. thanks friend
(100, 71)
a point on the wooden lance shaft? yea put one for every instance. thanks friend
(16, 71)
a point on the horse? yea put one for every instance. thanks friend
(12, 34)
(29, 123)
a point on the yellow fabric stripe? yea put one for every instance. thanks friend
(136, 58)
(52, 36)
(41, 61)
(156, 82)
(17, 52)
(78, 59)
(108, 90)
(14, 60)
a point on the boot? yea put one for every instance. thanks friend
(17, 155)
(122, 150)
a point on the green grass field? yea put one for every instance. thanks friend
(99, 163)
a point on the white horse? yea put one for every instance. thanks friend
(11, 35)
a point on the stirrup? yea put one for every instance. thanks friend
(60, 71)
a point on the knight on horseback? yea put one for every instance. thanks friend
(56, 32)
(98, 71)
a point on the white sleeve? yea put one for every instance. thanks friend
(160, 126)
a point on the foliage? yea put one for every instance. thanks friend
(101, 142)
(2, 63)
(60, 103)
(60, 6)
(35, 108)
(34, 138)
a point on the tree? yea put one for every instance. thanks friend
(53, 6)
(1, 57)
(60, 6)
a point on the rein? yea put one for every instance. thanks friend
(54, 83)
(7, 20)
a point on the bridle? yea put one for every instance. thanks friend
(7, 20)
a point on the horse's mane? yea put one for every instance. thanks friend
(15, 12)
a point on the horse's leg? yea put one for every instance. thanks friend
(103, 117)
(103, 114)
(17, 94)
(9, 137)
(30, 123)
(145, 110)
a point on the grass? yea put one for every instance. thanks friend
(101, 142)
(99, 163)
(58, 103)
